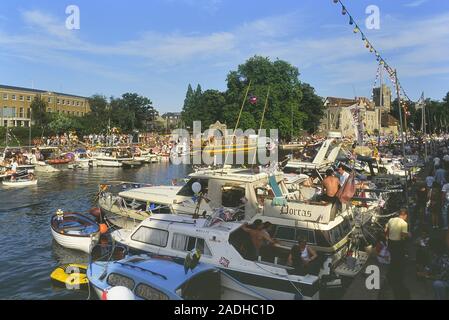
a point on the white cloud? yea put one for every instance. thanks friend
(416, 48)
(416, 3)
(211, 6)
(38, 20)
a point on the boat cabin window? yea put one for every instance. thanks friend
(115, 280)
(262, 194)
(204, 286)
(136, 205)
(152, 236)
(182, 242)
(143, 206)
(149, 293)
(187, 191)
(293, 234)
(232, 196)
(335, 235)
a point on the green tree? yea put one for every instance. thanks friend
(191, 108)
(131, 112)
(98, 119)
(283, 112)
(312, 105)
(210, 107)
(61, 123)
(39, 113)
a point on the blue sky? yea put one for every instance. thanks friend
(157, 47)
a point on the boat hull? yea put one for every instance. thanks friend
(109, 163)
(19, 184)
(272, 286)
(45, 168)
(76, 243)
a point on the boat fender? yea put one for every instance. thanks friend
(103, 228)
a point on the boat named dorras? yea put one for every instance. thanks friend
(313, 212)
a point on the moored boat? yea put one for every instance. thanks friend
(131, 164)
(19, 183)
(167, 279)
(74, 231)
(223, 246)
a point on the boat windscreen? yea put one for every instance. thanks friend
(204, 286)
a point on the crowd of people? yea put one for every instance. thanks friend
(159, 143)
(424, 229)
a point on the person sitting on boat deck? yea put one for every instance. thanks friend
(31, 176)
(343, 175)
(331, 184)
(13, 170)
(259, 236)
(310, 182)
(303, 258)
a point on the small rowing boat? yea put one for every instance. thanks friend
(75, 231)
(19, 183)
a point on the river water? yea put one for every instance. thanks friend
(28, 253)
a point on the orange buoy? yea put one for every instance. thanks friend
(103, 228)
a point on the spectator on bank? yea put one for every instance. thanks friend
(445, 206)
(397, 234)
(434, 203)
(440, 175)
(436, 162)
(421, 196)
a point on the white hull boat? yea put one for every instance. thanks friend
(45, 168)
(19, 183)
(219, 246)
(75, 231)
(109, 163)
(86, 163)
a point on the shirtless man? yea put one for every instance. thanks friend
(258, 235)
(331, 184)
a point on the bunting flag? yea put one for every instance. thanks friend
(421, 102)
(376, 80)
(253, 100)
(368, 44)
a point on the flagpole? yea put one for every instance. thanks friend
(424, 127)
(238, 120)
(402, 134)
(261, 123)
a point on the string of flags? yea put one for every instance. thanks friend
(376, 80)
(380, 59)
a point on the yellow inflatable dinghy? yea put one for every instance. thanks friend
(72, 276)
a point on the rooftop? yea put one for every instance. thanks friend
(39, 91)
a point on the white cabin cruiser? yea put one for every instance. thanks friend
(327, 154)
(176, 236)
(84, 159)
(112, 157)
(258, 196)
